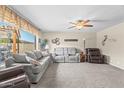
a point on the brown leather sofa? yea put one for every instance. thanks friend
(93, 55)
(14, 77)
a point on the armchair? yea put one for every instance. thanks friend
(93, 55)
(14, 77)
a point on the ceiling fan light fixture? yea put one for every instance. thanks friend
(79, 27)
(79, 24)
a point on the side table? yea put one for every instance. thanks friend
(82, 57)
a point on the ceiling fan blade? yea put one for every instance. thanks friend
(86, 21)
(71, 27)
(98, 20)
(88, 25)
(72, 23)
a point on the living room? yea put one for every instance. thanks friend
(61, 47)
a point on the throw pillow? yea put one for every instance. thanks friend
(32, 61)
(38, 54)
(45, 53)
(31, 54)
(20, 58)
(9, 62)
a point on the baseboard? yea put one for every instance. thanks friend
(116, 66)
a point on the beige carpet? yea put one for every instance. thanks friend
(81, 75)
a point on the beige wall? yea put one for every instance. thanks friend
(89, 36)
(114, 47)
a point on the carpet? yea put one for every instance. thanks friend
(81, 75)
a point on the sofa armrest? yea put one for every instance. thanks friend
(104, 58)
(53, 55)
(78, 56)
(14, 77)
(11, 72)
(9, 62)
(22, 64)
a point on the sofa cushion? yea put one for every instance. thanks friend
(41, 66)
(9, 62)
(66, 51)
(36, 69)
(20, 58)
(44, 59)
(31, 54)
(73, 59)
(71, 51)
(38, 54)
(59, 51)
(59, 58)
(94, 53)
(32, 61)
(66, 58)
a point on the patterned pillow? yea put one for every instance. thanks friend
(32, 61)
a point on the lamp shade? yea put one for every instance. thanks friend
(46, 47)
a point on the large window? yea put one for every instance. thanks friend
(5, 44)
(13, 22)
(26, 41)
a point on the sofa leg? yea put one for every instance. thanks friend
(34, 82)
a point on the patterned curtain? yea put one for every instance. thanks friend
(9, 16)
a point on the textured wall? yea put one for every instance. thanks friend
(89, 36)
(114, 46)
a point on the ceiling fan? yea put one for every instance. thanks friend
(79, 24)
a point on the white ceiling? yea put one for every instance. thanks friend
(57, 18)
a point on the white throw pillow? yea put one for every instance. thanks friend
(45, 53)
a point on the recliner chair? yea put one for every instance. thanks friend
(93, 55)
(14, 77)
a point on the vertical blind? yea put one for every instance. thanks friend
(8, 15)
